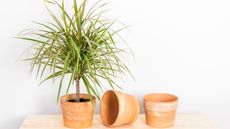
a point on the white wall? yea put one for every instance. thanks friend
(181, 47)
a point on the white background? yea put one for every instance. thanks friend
(181, 47)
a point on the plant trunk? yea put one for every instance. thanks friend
(78, 89)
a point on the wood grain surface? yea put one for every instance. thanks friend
(183, 121)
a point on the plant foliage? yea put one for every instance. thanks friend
(79, 44)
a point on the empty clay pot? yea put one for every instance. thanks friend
(160, 110)
(118, 108)
(77, 114)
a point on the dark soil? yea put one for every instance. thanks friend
(81, 100)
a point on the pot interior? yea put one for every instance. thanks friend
(109, 108)
(160, 97)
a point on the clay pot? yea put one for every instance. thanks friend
(160, 110)
(77, 114)
(118, 108)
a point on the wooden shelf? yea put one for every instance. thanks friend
(183, 121)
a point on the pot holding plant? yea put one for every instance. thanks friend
(160, 109)
(78, 114)
(118, 108)
(78, 46)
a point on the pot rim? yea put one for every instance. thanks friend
(174, 98)
(64, 98)
(115, 93)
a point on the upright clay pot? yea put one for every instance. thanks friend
(77, 114)
(118, 108)
(160, 109)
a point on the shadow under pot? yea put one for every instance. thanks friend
(118, 109)
(160, 109)
(77, 114)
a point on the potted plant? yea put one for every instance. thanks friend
(82, 47)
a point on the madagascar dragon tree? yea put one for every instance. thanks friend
(79, 44)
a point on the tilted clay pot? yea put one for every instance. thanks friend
(77, 114)
(118, 108)
(160, 110)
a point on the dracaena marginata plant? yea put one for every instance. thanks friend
(78, 44)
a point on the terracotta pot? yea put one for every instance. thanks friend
(160, 110)
(118, 108)
(77, 114)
